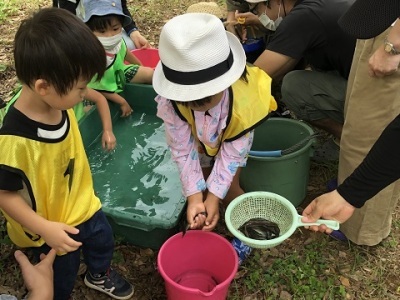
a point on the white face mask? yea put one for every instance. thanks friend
(268, 23)
(111, 43)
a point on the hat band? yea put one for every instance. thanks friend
(197, 77)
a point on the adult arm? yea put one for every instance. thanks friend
(300, 31)
(380, 168)
(275, 64)
(132, 30)
(232, 7)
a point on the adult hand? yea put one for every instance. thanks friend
(382, 63)
(39, 278)
(139, 40)
(330, 206)
(248, 18)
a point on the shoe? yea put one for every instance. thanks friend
(242, 250)
(338, 235)
(327, 152)
(111, 283)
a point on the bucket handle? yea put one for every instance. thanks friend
(279, 153)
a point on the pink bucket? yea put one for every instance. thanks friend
(200, 265)
(149, 57)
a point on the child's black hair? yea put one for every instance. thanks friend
(100, 23)
(56, 46)
(201, 102)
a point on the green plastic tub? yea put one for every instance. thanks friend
(286, 175)
(138, 183)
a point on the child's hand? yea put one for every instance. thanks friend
(56, 236)
(212, 208)
(108, 140)
(126, 109)
(195, 212)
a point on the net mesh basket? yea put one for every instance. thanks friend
(265, 205)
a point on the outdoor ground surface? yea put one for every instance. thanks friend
(307, 266)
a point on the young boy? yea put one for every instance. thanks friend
(46, 188)
(106, 19)
(210, 102)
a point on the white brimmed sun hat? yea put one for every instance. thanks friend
(198, 58)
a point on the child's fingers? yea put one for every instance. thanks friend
(198, 220)
(70, 229)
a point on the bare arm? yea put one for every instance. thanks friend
(55, 234)
(132, 59)
(231, 22)
(108, 138)
(276, 65)
(139, 40)
(126, 109)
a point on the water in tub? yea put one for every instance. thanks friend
(139, 176)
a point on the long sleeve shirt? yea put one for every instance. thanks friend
(185, 147)
(380, 168)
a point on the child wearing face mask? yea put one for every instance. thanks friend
(266, 21)
(106, 19)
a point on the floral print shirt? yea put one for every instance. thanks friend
(188, 153)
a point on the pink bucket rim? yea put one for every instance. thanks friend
(218, 286)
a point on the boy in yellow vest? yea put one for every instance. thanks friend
(210, 102)
(46, 188)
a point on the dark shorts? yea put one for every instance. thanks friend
(131, 72)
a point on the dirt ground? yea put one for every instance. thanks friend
(365, 272)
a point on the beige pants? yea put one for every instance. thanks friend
(371, 104)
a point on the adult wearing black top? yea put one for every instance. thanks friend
(308, 30)
(380, 168)
(133, 38)
(373, 101)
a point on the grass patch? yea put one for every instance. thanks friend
(304, 274)
(8, 8)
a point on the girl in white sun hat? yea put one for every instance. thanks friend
(210, 102)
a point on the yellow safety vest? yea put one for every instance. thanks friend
(56, 178)
(250, 104)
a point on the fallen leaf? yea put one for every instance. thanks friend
(344, 281)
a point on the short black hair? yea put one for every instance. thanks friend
(57, 46)
(100, 23)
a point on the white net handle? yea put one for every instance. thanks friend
(334, 225)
